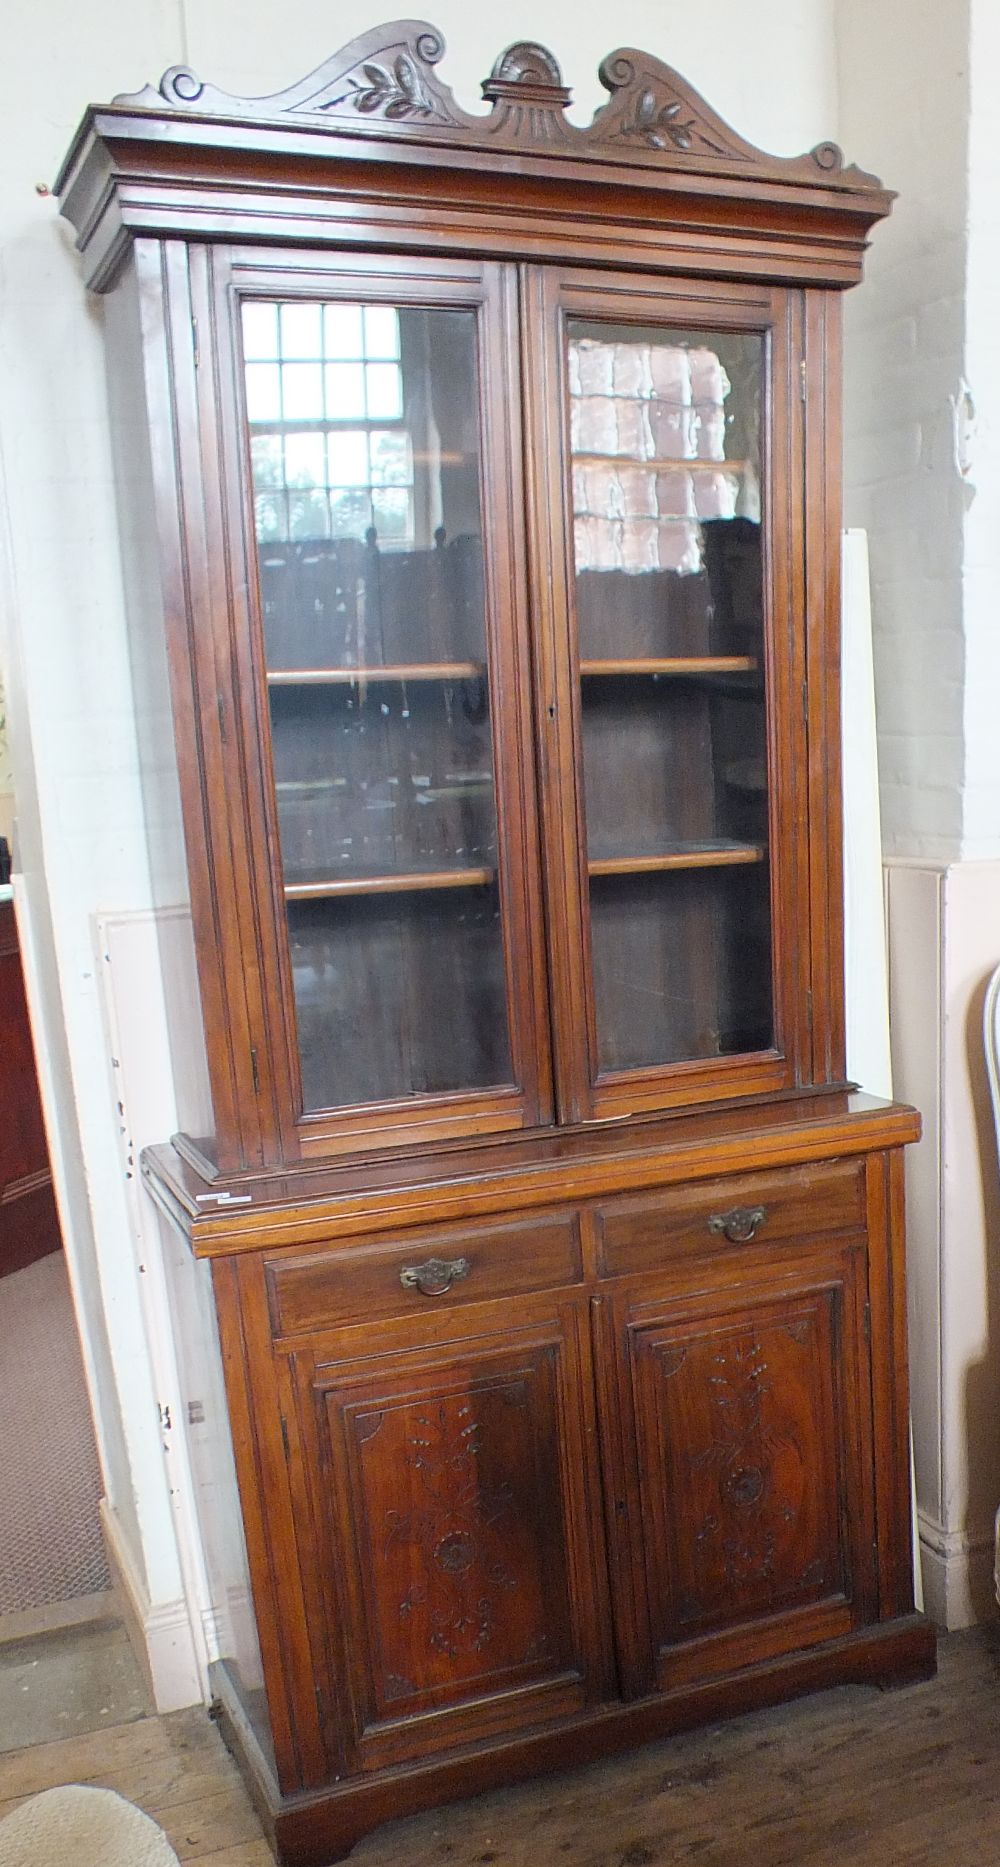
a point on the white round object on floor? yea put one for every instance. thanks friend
(88, 1827)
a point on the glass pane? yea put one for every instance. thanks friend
(348, 457)
(305, 459)
(384, 387)
(391, 515)
(350, 513)
(390, 458)
(268, 460)
(666, 442)
(260, 331)
(263, 392)
(309, 514)
(271, 514)
(301, 391)
(381, 331)
(302, 331)
(345, 391)
(343, 331)
(371, 578)
(413, 987)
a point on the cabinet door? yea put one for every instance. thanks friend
(742, 1508)
(379, 414)
(667, 490)
(459, 1573)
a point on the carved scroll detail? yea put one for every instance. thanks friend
(386, 74)
(386, 78)
(653, 106)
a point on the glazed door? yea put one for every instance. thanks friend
(738, 1429)
(458, 1578)
(379, 413)
(666, 436)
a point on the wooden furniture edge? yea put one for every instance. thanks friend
(296, 1209)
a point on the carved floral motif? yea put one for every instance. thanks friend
(744, 1529)
(395, 91)
(464, 1575)
(662, 120)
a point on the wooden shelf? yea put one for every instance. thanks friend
(693, 856)
(355, 677)
(661, 466)
(415, 881)
(674, 664)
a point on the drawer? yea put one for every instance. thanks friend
(726, 1215)
(429, 1269)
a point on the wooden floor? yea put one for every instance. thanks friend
(853, 1778)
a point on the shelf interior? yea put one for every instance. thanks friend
(405, 882)
(671, 664)
(707, 855)
(661, 464)
(356, 677)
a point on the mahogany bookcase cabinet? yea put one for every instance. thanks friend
(479, 493)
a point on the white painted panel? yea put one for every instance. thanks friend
(135, 949)
(865, 964)
(915, 963)
(970, 1323)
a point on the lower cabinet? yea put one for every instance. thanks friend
(523, 1491)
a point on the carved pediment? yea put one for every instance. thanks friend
(386, 78)
(386, 75)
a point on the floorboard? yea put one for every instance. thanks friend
(851, 1778)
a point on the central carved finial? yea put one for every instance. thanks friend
(527, 74)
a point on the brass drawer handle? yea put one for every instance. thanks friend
(435, 1277)
(740, 1225)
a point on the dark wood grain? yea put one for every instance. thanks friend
(822, 518)
(454, 1509)
(746, 1426)
(639, 1233)
(309, 1292)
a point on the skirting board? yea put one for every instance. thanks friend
(161, 1635)
(958, 1575)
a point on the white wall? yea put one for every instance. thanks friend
(981, 570)
(903, 107)
(770, 69)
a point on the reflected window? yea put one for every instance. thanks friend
(652, 427)
(332, 455)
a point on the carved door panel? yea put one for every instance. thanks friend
(747, 1473)
(460, 1559)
